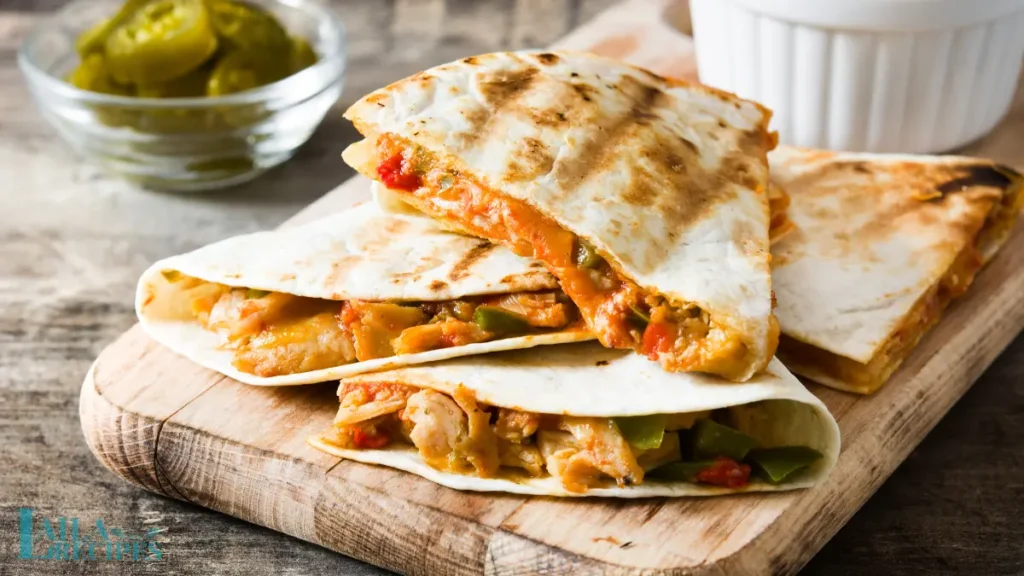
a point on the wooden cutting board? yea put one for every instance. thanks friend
(176, 429)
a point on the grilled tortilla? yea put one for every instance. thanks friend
(583, 420)
(354, 292)
(647, 197)
(882, 244)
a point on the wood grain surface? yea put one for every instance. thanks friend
(73, 241)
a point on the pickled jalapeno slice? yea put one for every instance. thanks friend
(163, 40)
(243, 26)
(243, 70)
(92, 75)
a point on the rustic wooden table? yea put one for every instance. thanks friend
(73, 241)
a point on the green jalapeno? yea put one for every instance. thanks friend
(163, 40)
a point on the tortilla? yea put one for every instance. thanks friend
(357, 255)
(647, 197)
(587, 380)
(882, 244)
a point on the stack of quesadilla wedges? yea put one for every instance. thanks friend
(530, 203)
(649, 201)
(648, 198)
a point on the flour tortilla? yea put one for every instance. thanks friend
(668, 180)
(589, 380)
(360, 253)
(873, 234)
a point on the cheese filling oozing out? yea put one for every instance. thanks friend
(274, 333)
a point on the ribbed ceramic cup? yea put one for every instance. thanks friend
(913, 76)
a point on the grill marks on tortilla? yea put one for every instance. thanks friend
(662, 167)
(530, 160)
(463, 267)
(593, 157)
(944, 204)
(501, 89)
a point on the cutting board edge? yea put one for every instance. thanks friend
(128, 445)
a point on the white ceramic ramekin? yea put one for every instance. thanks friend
(911, 76)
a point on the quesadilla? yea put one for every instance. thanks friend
(353, 292)
(646, 197)
(583, 420)
(883, 243)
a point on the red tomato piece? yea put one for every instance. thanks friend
(370, 440)
(395, 173)
(725, 472)
(658, 337)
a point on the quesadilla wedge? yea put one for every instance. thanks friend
(646, 197)
(353, 292)
(882, 245)
(583, 420)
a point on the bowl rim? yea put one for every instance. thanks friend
(333, 59)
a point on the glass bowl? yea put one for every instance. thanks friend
(185, 144)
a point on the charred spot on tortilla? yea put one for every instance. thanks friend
(500, 89)
(654, 76)
(858, 167)
(601, 363)
(472, 61)
(529, 160)
(547, 117)
(461, 268)
(980, 175)
(547, 58)
(437, 285)
(586, 92)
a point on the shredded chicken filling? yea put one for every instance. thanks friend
(273, 333)
(618, 311)
(455, 433)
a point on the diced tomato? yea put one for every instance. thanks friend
(368, 440)
(658, 337)
(725, 472)
(396, 173)
(349, 315)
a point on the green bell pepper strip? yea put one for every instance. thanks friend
(499, 320)
(775, 465)
(711, 439)
(642, 432)
(586, 256)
